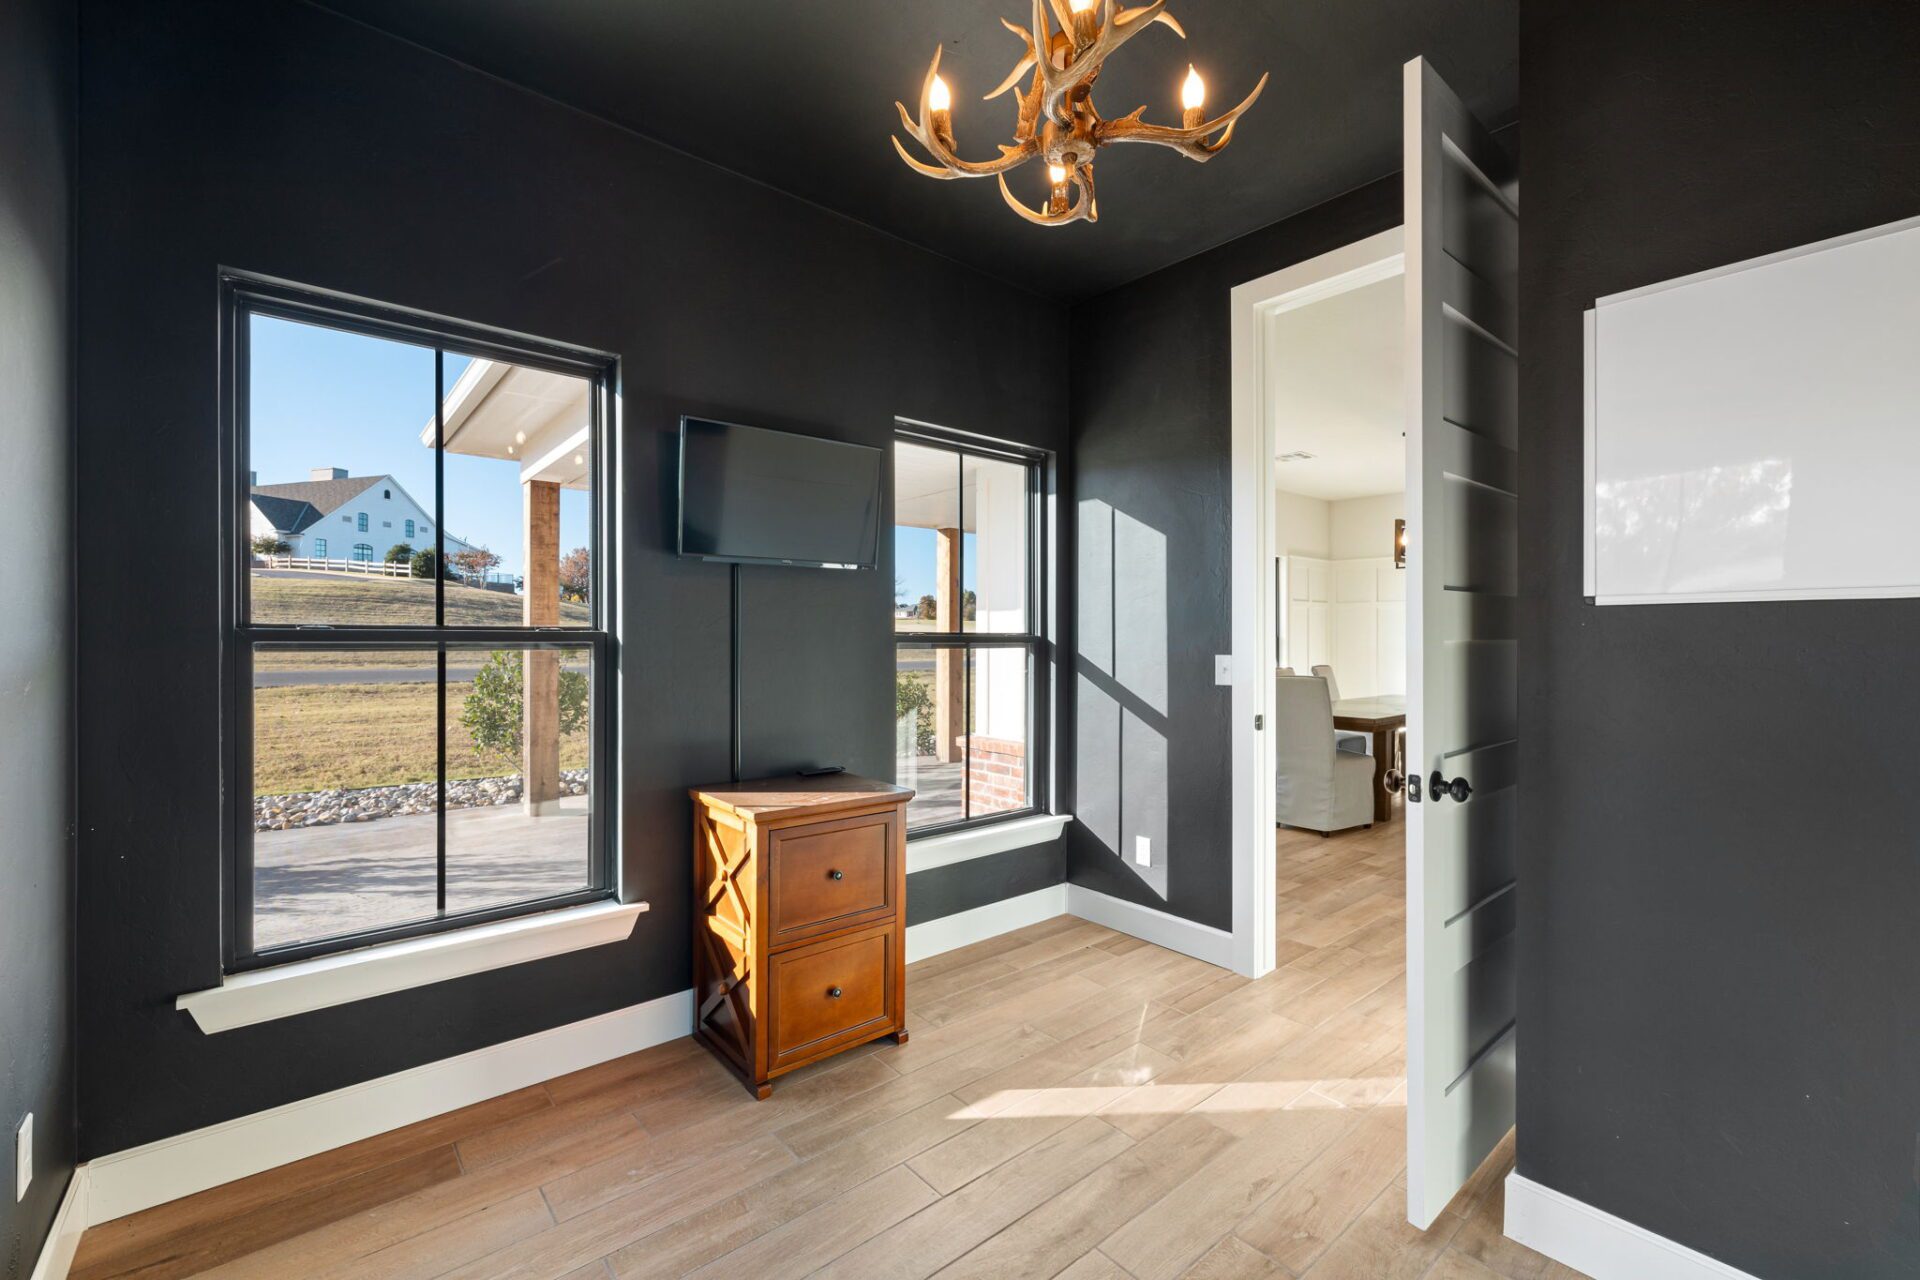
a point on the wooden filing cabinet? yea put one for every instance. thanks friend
(800, 920)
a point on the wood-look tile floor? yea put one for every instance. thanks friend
(1073, 1103)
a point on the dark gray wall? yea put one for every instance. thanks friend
(279, 138)
(1149, 749)
(1719, 977)
(36, 632)
(962, 886)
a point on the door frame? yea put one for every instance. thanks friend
(1255, 645)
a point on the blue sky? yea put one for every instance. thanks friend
(324, 398)
(913, 561)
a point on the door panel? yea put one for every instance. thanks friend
(1462, 238)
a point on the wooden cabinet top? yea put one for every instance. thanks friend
(767, 798)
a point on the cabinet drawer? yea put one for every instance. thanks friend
(831, 875)
(829, 994)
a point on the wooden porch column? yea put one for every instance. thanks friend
(949, 665)
(540, 678)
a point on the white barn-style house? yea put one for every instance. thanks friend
(335, 516)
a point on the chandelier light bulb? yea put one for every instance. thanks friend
(1079, 6)
(1193, 94)
(1056, 174)
(938, 97)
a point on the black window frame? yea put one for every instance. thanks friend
(244, 296)
(1035, 640)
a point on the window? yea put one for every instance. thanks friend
(410, 755)
(969, 679)
(360, 525)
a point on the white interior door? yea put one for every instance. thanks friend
(1462, 247)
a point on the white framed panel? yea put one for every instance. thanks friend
(1753, 431)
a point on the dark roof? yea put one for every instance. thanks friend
(293, 507)
(288, 515)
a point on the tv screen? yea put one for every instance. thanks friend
(771, 497)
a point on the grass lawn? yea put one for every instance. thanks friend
(349, 601)
(315, 738)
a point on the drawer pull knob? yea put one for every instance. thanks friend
(834, 992)
(836, 875)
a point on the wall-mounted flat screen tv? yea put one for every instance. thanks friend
(755, 496)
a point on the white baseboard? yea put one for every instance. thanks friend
(931, 937)
(129, 1181)
(1162, 928)
(1603, 1246)
(142, 1177)
(63, 1238)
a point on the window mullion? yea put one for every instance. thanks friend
(440, 620)
(440, 771)
(439, 487)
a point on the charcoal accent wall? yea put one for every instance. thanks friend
(1150, 752)
(1719, 976)
(275, 137)
(37, 118)
(962, 886)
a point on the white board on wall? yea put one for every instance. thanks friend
(1753, 432)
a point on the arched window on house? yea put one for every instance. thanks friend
(363, 551)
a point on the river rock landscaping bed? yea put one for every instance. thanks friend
(366, 804)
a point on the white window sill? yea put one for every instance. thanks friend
(979, 842)
(264, 995)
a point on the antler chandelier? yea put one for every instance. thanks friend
(1056, 120)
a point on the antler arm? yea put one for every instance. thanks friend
(922, 130)
(1116, 29)
(1191, 143)
(1083, 209)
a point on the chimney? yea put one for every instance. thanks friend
(327, 473)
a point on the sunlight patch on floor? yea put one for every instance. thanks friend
(1240, 1096)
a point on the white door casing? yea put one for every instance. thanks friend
(1255, 645)
(1462, 260)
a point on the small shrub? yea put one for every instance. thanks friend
(494, 713)
(401, 553)
(911, 694)
(271, 544)
(423, 563)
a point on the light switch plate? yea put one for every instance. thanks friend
(1143, 851)
(1223, 668)
(22, 1158)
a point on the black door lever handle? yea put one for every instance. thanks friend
(1459, 788)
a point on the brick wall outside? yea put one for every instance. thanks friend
(996, 773)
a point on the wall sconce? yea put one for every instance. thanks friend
(1399, 544)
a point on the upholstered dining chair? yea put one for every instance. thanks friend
(1317, 787)
(1359, 744)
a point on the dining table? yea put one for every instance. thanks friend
(1381, 716)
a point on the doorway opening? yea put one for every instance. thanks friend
(1319, 511)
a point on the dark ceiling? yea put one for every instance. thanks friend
(800, 96)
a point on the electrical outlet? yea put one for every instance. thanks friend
(1143, 851)
(22, 1158)
(1223, 668)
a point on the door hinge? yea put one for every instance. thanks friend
(1259, 723)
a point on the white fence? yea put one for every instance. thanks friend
(374, 568)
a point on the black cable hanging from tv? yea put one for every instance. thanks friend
(734, 644)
